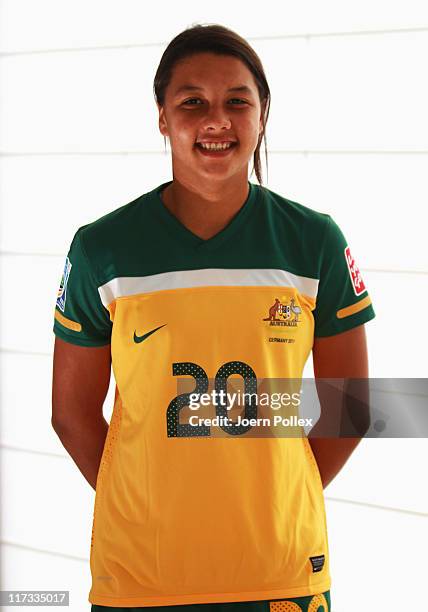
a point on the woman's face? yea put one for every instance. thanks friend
(211, 98)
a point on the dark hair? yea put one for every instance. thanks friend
(215, 38)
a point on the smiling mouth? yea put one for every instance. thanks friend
(215, 148)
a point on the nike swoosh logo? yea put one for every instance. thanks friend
(138, 339)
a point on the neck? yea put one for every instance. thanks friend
(205, 211)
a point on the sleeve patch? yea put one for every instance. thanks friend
(353, 308)
(62, 291)
(355, 274)
(68, 323)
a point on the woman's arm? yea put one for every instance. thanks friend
(81, 377)
(340, 356)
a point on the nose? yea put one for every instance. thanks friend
(216, 118)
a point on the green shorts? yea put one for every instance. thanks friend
(311, 603)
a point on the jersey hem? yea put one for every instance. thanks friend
(348, 323)
(80, 341)
(201, 598)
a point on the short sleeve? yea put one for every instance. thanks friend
(342, 301)
(80, 316)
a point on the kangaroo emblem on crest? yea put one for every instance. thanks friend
(273, 310)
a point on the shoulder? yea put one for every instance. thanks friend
(110, 226)
(295, 212)
(113, 231)
(300, 229)
(114, 237)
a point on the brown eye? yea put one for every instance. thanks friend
(190, 100)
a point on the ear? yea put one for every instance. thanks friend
(260, 129)
(262, 115)
(261, 119)
(163, 125)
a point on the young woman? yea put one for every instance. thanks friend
(206, 277)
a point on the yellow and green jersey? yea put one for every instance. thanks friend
(182, 515)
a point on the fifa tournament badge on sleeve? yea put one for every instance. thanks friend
(62, 291)
(355, 274)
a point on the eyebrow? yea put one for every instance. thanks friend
(188, 87)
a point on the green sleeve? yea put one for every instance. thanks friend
(342, 301)
(80, 316)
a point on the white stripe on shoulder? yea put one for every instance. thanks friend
(185, 279)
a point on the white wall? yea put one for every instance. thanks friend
(348, 135)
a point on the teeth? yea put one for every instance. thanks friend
(215, 146)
